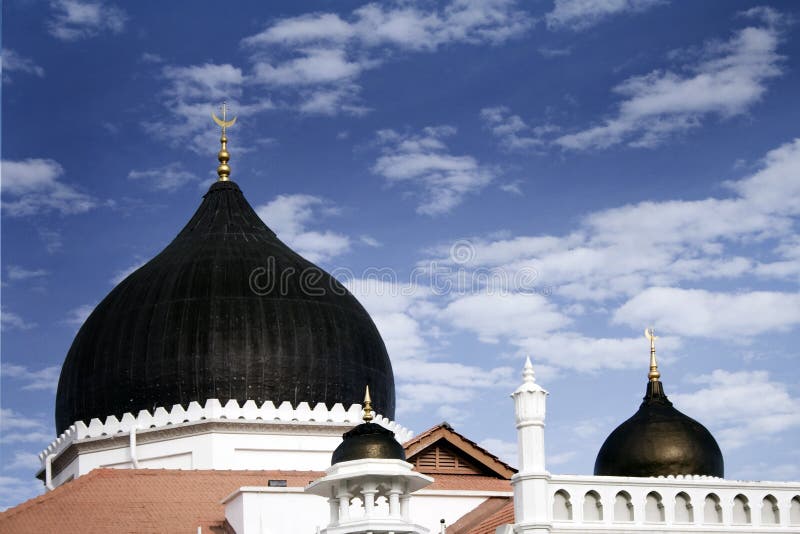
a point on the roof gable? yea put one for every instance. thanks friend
(442, 450)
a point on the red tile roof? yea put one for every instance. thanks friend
(468, 482)
(482, 517)
(165, 500)
(141, 501)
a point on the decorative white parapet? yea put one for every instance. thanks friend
(259, 428)
(671, 504)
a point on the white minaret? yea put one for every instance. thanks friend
(531, 503)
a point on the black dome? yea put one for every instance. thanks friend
(188, 327)
(659, 441)
(366, 441)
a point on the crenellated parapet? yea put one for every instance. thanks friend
(214, 411)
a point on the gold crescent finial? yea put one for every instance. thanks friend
(224, 170)
(650, 334)
(367, 407)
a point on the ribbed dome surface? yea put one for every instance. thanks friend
(188, 327)
(659, 441)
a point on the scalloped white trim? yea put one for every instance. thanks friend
(214, 410)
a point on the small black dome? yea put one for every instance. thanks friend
(189, 326)
(367, 441)
(659, 441)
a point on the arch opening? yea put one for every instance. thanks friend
(592, 507)
(712, 510)
(623, 507)
(562, 507)
(653, 508)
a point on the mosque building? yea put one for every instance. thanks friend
(231, 386)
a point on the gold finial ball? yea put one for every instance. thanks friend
(223, 171)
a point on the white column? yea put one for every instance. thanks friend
(394, 499)
(368, 492)
(344, 502)
(531, 500)
(333, 504)
(405, 511)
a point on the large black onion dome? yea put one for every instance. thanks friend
(368, 441)
(187, 326)
(659, 441)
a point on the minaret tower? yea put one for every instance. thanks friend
(530, 483)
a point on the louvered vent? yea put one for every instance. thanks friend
(442, 459)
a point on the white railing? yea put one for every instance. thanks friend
(213, 410)
(687, 502)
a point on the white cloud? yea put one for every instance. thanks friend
(13, 62)
(492, 316)
(572, 350)
(16, 272)
(79, 19)
(51, 239)
(207, 81)
(742, 406)
(619, 252)
(423, 160)
(14, 490)
(10, 321)
(404, 26)
(77, 316)
(122, 274)
(402, 312)
(315, 66)
(167, 178)
(17, 428)
(192, 93)
(701, 313)
(505, 450)
(512, 131)
(328, 52)
(149, 57)
(657, 105)
(560, 458)
(25, 461)
(45, 379)
(290, 215)
(342, 98)
(582, 14)
(33, 187)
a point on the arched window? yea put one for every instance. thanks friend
(770, 515)
(794, 511)
(683, 509)
(592, 507)
(623, 507)
(562, 508)
(741, 510)
(712, 511)
(654, 508)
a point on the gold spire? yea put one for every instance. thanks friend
(223, 170)
(653, 375)
(367, 407)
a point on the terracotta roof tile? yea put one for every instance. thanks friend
(141, 501)
(480, 516)
(503, 516)
(469, 482)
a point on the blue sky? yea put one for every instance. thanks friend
(543, 178)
